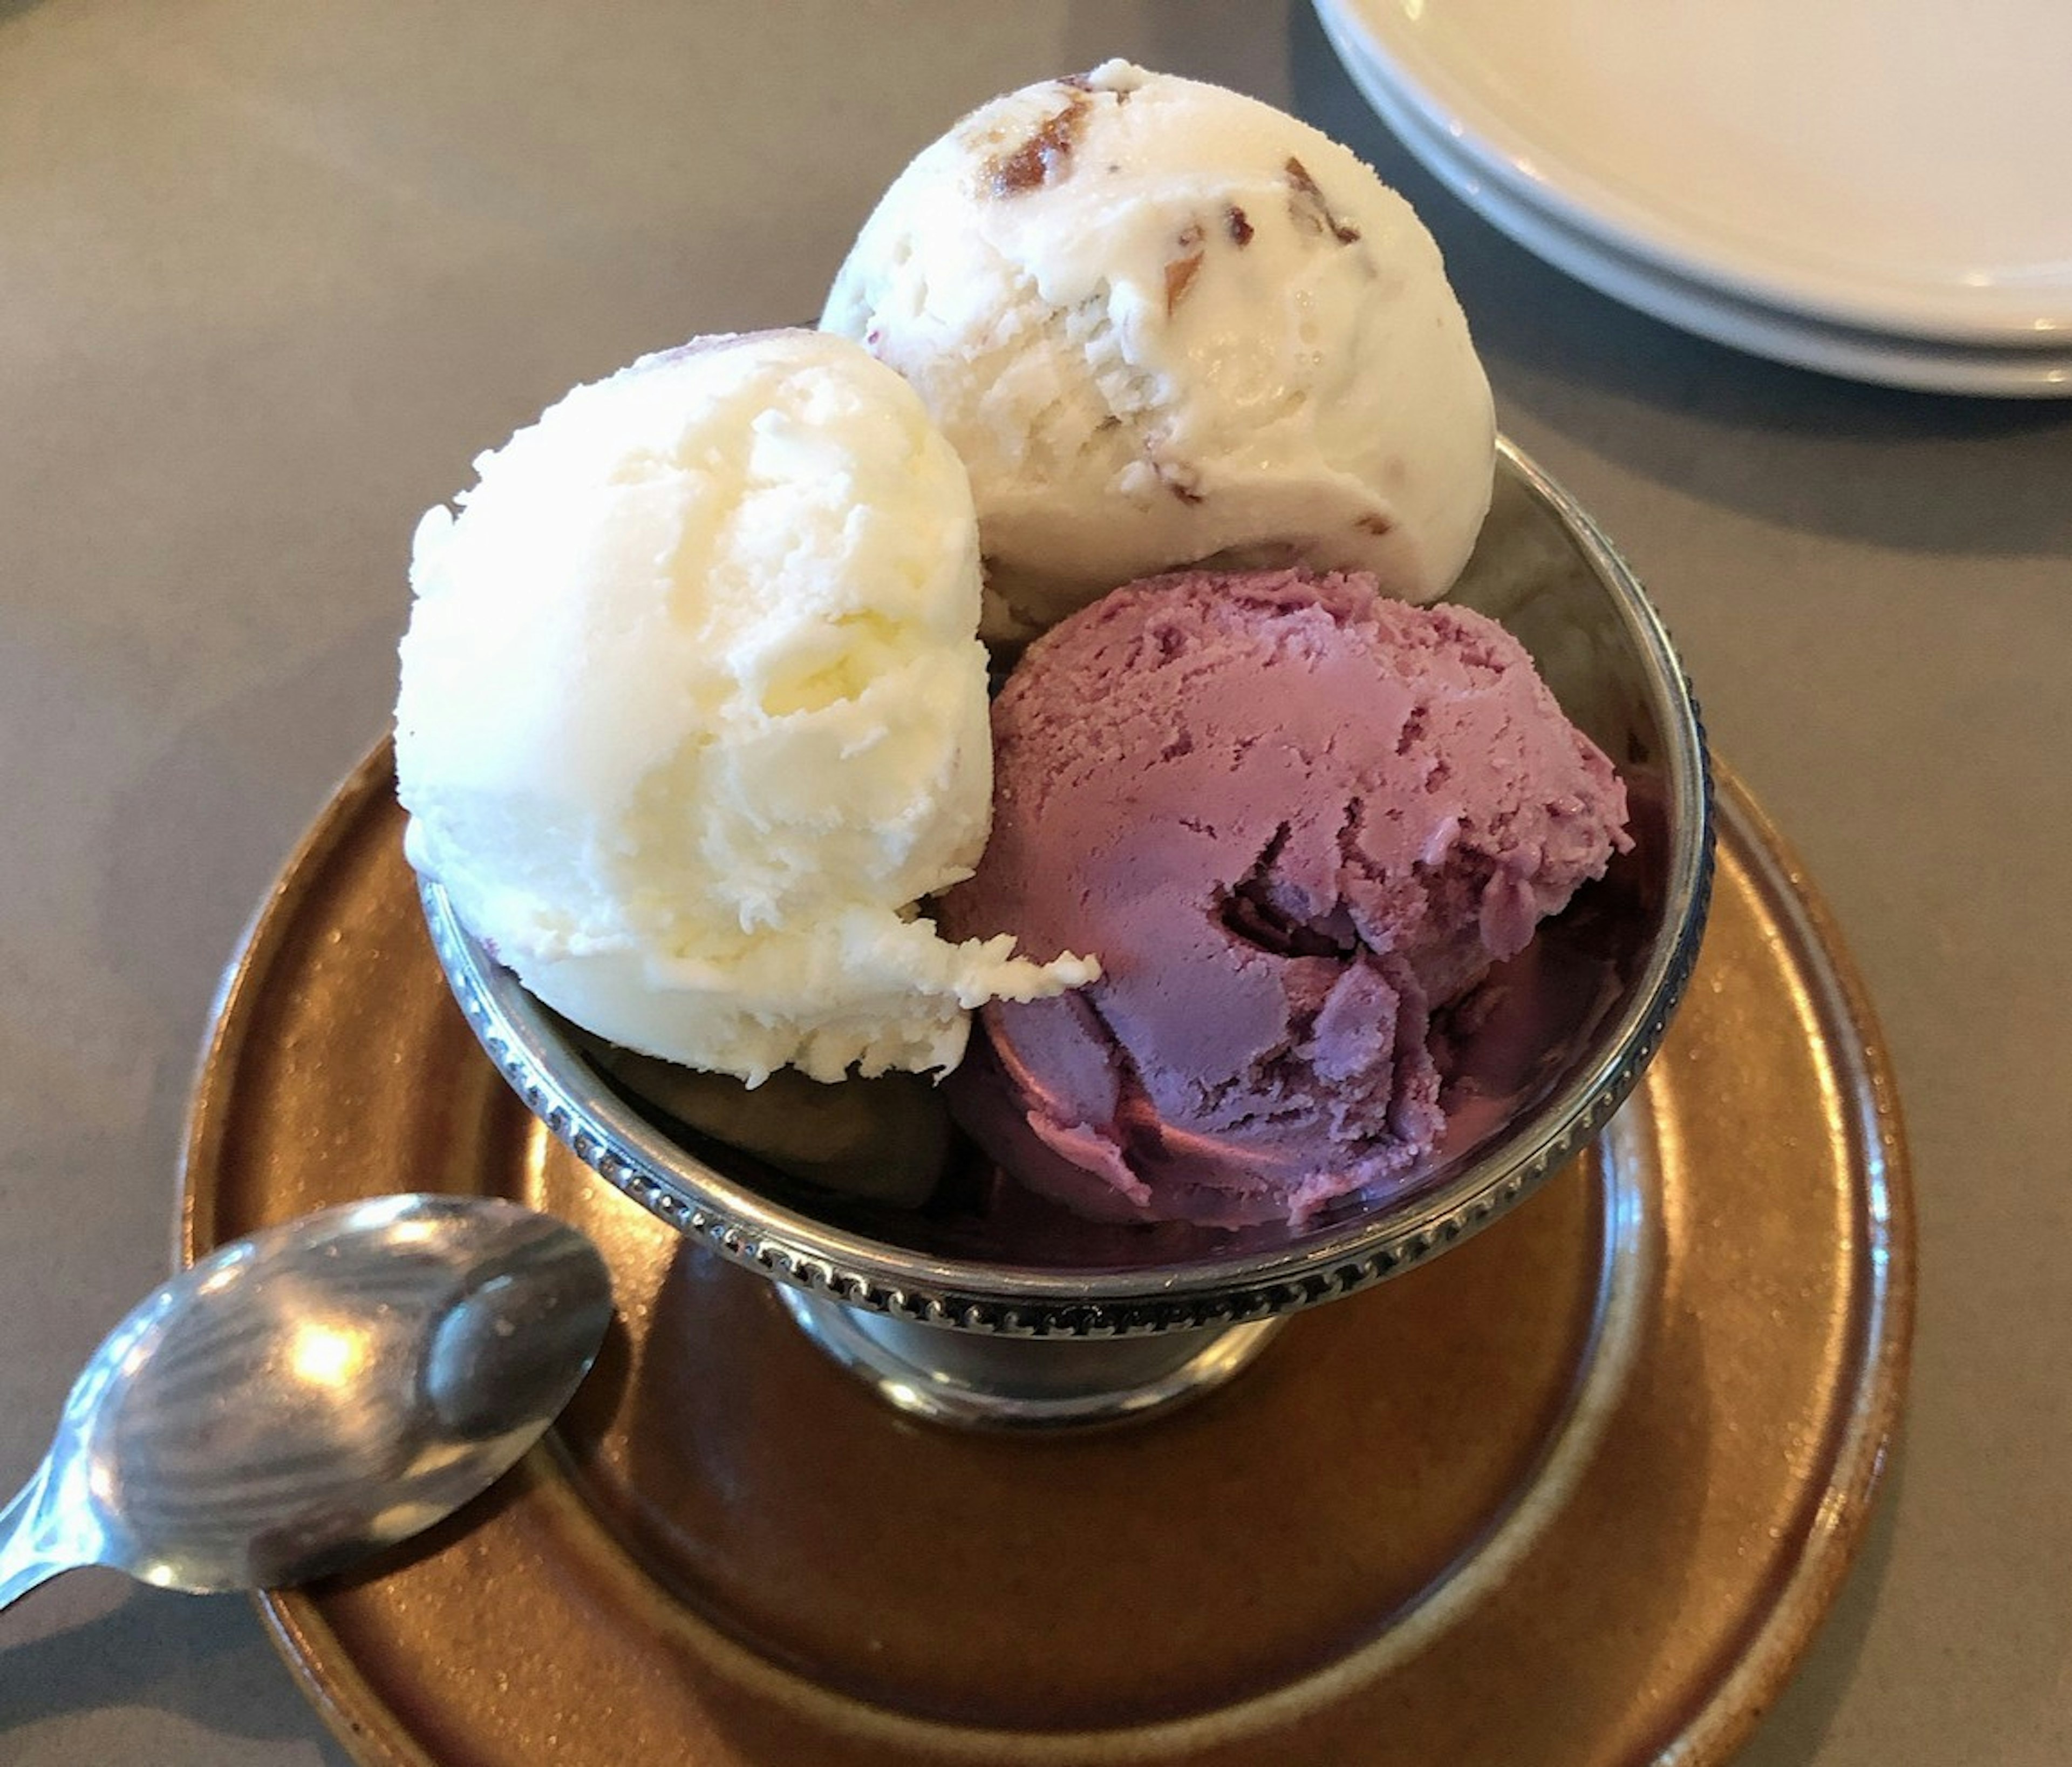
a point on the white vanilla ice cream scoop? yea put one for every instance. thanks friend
(1164, 323)
(693, 711)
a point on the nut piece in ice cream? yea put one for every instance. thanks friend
(693, 711)
(1293, 818)
(1165, 324)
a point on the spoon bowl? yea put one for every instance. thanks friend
(311, 1394)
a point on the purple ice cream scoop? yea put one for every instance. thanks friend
(1293, 818)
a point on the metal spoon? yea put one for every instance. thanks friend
(312, 1393)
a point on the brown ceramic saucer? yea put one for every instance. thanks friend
(1576, 1493)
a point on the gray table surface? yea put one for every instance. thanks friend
(271, 273)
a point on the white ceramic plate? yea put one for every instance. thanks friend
(1895, 168)
(2033, 371)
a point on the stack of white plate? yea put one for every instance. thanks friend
(1878, 188)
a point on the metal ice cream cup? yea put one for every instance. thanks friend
(962, 1300)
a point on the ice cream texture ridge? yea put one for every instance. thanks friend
(692, 713)
(1164, 324)
(1296, 818)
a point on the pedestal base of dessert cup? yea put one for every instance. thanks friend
(1026, 1383)
(734, 1555)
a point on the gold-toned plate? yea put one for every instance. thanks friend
(1578, 1491)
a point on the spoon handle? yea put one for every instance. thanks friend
(25, 1557)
